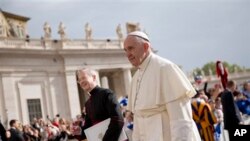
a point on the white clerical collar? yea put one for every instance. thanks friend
(145, 62)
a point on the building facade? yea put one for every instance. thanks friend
(38, 76)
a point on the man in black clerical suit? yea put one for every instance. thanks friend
(232, 116)
(2, 132)
(102, 104)
(15, 134)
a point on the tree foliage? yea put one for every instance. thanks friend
(210, 68)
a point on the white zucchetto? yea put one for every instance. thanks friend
(139, 34)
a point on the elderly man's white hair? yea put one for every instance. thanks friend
(89, 71)
(139, 34)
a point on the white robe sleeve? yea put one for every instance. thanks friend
(176, 93)
(173, 85)
(182, 126)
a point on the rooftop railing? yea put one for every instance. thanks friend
(54, 44)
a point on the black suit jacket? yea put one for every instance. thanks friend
(15, 135)
(2, 132)
(101, 105)
(232, 116)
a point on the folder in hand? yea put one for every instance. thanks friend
(97, 132)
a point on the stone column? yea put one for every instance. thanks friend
(127, 79)
(54, 80)
(9, 91)
(72, 93)
(105, 82)
(3, 110)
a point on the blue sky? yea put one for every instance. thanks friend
(190, 33)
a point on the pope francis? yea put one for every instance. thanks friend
(160, 95)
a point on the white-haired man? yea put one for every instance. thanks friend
(160, 95)
(101, 105)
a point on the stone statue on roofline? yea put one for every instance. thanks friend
(88, 32)
(47, 30)
(119, 32)
(132, 27)
(61, 30)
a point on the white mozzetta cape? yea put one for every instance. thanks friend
(161, 83)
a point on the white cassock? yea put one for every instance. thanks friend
(160, 98)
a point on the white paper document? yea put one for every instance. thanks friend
(97, 132)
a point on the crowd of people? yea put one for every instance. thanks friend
(215, 109)
(57, 129)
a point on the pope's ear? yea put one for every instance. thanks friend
(94, 77)
(146, 46)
